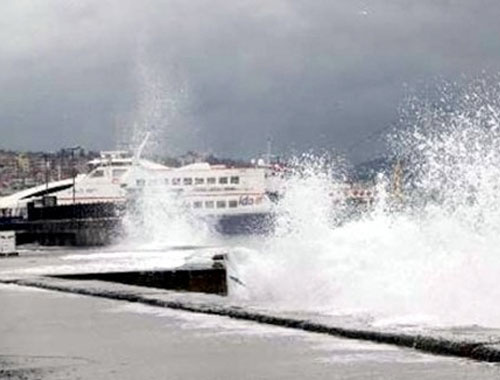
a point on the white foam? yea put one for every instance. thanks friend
(436, 259)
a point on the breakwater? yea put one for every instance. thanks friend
(93, 224)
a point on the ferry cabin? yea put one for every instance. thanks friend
(205, 189)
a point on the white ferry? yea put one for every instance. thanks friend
(117, 177)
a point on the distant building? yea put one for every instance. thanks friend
(19, 170)
(23, 162)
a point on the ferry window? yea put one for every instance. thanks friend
(187, 181)
(233, 204)
(117, 173)
(221, 204)
(199, 181)
(211, 181)
(197, 204)
(209, 204)
(222, 180)
(176, 181)
(97, 174)
(235, 180)
(140, 182)
(165, 181)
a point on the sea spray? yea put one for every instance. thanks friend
(162, 101)
(310, 185)
(302, 216)
(433, 260)
(157, 217)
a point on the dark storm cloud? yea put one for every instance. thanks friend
(224, 75)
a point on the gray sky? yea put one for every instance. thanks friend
(222, 76)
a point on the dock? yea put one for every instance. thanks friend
(81, 225)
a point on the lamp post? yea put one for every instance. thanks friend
(73, 171)
(47, 170)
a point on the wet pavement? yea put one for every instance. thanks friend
(37, 260)
(52, 335)
(35, 263)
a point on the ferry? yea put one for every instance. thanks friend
(233, 196)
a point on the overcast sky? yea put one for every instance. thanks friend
(224, 75)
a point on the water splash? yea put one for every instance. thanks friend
(161, 108)
(155, 218)
(436, 257)
(158, 218)
(309, 188)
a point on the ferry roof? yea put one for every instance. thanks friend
(10, 200)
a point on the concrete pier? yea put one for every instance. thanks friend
(209, 280)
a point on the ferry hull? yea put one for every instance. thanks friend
(245, 224)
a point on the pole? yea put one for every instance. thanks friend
(73, 173)
(73, 167)
(46, 172)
